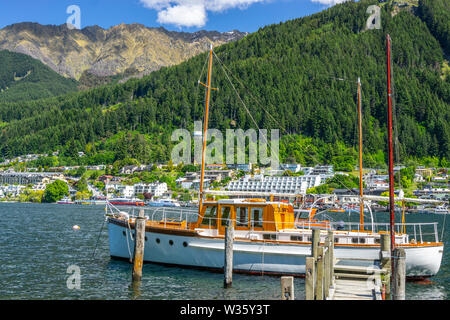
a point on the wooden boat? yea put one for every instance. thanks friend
(267, 240)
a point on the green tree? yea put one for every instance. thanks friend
(55, 191)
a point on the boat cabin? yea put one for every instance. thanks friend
(246, 214)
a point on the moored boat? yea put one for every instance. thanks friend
(65, 201)
(126, 202)
(268, 239)
(441, 210)
(164, 203)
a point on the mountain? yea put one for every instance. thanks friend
(122, 49)
(299, 76)
(25, 78)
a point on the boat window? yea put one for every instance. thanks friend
(302, 215)
(257, 217)
(296, 238)
(225, 215)
(242, 217)
(210, 217)
(270, 236)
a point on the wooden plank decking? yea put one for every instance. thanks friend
(357, 283)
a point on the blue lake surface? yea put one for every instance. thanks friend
(38, 245)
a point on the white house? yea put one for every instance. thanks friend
(156, 189)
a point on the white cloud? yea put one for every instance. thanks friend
(329, 2)
(191, 13)
(183, 15)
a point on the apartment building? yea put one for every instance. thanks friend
(293, 185)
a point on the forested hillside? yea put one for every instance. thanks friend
(25, 78)
(302, 72)
(436, 13)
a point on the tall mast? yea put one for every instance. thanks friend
(205, 128)
(361, 201)
(390, 147)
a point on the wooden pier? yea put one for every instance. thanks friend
(357, 283)
(328, 278)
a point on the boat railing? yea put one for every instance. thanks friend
(165, 215)
(419, 232)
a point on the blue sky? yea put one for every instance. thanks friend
(178, 15)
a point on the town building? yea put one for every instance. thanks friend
(246, 167)
(291, 167)
(285, 184)
(155, 189)
(217, 175)
(25, 178)
(424, 172)
(377, 182)
(216, 166)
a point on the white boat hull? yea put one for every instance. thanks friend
(252, 256)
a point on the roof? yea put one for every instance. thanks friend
(245, 201)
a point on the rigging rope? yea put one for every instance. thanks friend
(99, 234)
(240, 99)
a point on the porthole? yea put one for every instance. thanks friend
(185, 244)
(157, 240)
(124, 234)
(171, 242)
(146, 238)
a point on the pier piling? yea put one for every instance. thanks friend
(310, 271)
(287, 288)
(228, 264)
(315, 242)
(319, 289)
(139, 244)
(385, 261)
(398, 277)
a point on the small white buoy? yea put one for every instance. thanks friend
(76, 227)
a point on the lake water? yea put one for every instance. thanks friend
(38, 245)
